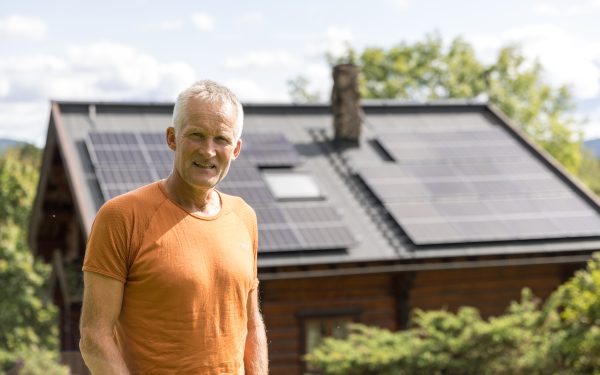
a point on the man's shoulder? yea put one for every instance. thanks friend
(142, 199)
(238, 205)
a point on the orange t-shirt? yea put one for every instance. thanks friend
(186, 281)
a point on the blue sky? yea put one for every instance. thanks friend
(148, 50)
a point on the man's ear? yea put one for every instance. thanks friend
(170, 135)
(237, 149)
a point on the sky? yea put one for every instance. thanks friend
(142, 50)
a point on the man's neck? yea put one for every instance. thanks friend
(197, 201)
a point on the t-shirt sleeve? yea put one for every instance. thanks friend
(107, 249)
(255, 250)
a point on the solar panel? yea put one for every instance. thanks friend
(113, 138)
(243, 173)
(252, 194)
(161, 156)
(269, 150)
(125, 157)
(461, 185)
(269, 215)
(326, 237)
(111, 193)
(312, 214)
(277, 240)
(127, 176)
(272, 157)
(154, 139)
(126, 160)
(583, 225)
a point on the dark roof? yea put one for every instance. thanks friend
(381, 190)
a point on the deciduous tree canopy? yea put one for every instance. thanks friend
(27, 320)
(428, 70)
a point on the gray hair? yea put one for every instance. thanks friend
(211, 92)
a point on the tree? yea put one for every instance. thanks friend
(28, 329)
(427, 70)
(561, 337)
(589, 171)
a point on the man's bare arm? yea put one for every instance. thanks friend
(102, 300)
(256, 360)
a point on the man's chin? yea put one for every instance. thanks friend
(204, 184)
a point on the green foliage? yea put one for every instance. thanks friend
(32, 362)
(428, 70)
(573, 314)
(589, 171)
(27, 321)
(560, 337)
(19, 169)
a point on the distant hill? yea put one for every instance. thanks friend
(594, 146)
(6, 143)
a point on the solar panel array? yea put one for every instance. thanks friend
(458, 185)
(126, 160)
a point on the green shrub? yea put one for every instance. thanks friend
(561, 337)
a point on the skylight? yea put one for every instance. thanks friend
(288, 185)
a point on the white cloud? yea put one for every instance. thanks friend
(26, 121)
(319, 79)
(545, 8)
(592, 127)
(262, 60)
(250, 91)
(203, 21)
(335, 41)
(171, 25)
(566, 7)
(100, 71)
(566, 58)
(250, 19)
(118, 71)
(4, 87)
(17, 26)
(400, 4)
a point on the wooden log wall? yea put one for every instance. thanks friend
(385, 300)
(489, 289)
(283, 300)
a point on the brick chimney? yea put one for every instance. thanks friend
(345, 103)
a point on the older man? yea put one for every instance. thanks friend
(170, 268)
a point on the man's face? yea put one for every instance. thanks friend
(206, 144)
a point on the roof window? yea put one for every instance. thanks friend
(292, 186)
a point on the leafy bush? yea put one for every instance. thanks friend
(32, 362)
(560, 337)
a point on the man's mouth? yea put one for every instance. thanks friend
(204, 165)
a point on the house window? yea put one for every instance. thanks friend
(315, 330)
(317, 325)
(292, 186)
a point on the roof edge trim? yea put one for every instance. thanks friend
(76, 186)
(412, 267)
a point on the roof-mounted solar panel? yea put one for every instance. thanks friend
(473, 185)
(128, 160)
(269, 150)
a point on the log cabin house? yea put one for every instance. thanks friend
(424, 205)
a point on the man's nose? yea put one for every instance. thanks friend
(207, 147)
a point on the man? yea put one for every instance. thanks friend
(170, 268)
